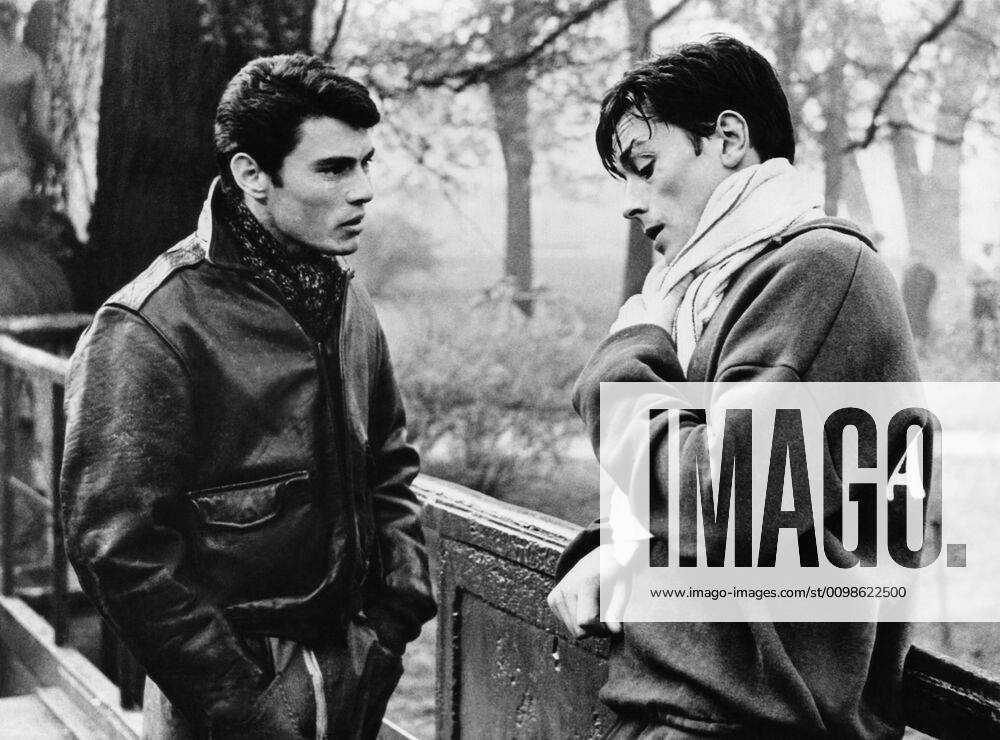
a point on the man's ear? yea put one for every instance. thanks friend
(249, 177)
(735, 133)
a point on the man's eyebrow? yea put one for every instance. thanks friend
(334, 162)
(626, 157)
(342, 162)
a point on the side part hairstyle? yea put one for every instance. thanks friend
(262, 108)
(690, 86)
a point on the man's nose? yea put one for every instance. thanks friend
(361, 189)
(636, 199)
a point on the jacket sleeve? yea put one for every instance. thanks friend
(781, 331)
(405, 600)
(130, 444)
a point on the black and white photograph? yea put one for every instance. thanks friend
(543, 369)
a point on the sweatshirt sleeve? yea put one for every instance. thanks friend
(780, 328)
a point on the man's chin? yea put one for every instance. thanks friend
(345, 249)
(337, 249)
(670, 250)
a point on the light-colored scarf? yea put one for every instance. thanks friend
(747, 210)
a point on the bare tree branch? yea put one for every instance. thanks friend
(932, 33)
(664, 17)
(337, 28)
(460, 79)
(907, 126)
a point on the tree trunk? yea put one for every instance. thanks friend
(835, 134)
(932, 200)
(854, 195)
(154, 148)
(908, 174)
(942, 186)
(509, 94)
(639, 251)
(789, 24)
(165, 64)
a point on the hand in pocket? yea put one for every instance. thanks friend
(359, 678)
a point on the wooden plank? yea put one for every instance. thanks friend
(30, 638)
(947, 699)
(70, 716)
(15, 678)
(504, 668)
(27, 718)
(17, 487)
(60, 607)
(46, 408)
(39, 363)
(45, 324)
(391, 731)
(8, 429)
(512, 532)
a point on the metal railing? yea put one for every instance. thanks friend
(502, 661)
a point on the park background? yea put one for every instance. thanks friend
(495, 246)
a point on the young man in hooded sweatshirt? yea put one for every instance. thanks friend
(753, 283)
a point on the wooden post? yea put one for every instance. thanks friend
(60, 598)
(9, 423)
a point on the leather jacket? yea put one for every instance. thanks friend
(227, 476)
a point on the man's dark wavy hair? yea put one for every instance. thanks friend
(690, 86)
(264, 105)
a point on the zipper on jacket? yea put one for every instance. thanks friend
(319, 356)
(341, 430)
(347, 274)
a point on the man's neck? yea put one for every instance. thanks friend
(263, 215)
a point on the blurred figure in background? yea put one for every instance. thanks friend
(985, 283)
(25, 146)
(31, 233)
(919, 286)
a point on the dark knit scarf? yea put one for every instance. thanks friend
(308, 281)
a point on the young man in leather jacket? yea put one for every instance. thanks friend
(236, 478)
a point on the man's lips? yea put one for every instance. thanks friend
(652, 232)
(353, 223)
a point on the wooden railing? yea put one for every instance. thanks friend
(504, 668)
(32, 375)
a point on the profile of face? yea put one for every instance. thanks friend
(324, 187)
(668, 184)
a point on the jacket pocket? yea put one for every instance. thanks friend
(260, 539)
(248, 505)
(281, 711)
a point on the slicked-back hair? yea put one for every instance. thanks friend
(690, 86)
(262, 108)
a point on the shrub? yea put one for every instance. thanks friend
(488, 393)
(392, 247)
